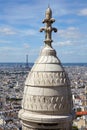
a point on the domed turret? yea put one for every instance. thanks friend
(47, 99)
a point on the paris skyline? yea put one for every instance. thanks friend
(20, 21)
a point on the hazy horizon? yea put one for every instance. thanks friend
(20, 21)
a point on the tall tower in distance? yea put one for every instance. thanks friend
(47, 98)
(27, 65)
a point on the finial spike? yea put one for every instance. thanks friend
(48, 5)
(48, 28)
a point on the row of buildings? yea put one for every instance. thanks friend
(12, 86)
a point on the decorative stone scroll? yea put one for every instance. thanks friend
(47, 79)
(45, 103)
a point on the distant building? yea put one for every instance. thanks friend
(27, 65)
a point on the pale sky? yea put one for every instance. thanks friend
(20, 21)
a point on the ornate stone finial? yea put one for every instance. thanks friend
(48, 28)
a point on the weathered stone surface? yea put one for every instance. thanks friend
(47, 78)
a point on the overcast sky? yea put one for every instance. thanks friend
(20, 21)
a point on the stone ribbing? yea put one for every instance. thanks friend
(47, 94)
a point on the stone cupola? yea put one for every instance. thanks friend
(47, 99)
